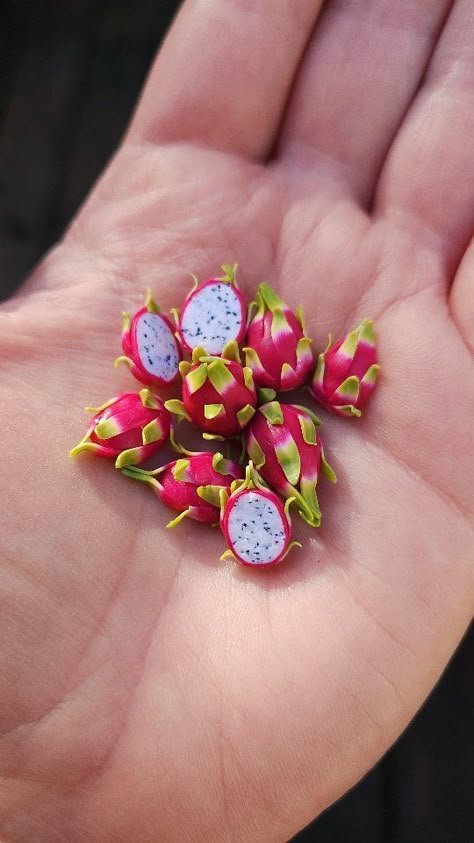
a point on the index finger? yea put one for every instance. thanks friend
(224, 73)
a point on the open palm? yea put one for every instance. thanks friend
(150, 692)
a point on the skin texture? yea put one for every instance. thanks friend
(149, 691)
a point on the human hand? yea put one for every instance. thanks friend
(150, 692)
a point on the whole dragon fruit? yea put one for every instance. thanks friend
(191, 485)
(346, 372)
(278, 352)
(284, 444)
(213, 314)
(129, 429)
(256, 525)
(219, 395)
(151, 350)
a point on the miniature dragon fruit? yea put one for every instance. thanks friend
(219, 394)
(283, 443)
(278, 352)
(191, 485)
(346, 372)
(214, 314)
(129, 429)
(151, 350)
(256, 525)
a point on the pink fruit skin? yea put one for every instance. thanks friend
(274, 352)
(239, 338)
(128, 411)
(275, 500)
(269, 435)
(234, 399)
(129, 346)
(180, 495)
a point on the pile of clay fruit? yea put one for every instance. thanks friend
(282, 453)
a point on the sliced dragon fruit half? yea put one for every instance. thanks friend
(255, 523)
(213, 314)
(151, 350)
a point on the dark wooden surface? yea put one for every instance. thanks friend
(69, 75)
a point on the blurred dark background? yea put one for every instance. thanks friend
(70, 74)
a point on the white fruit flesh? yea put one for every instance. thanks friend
(156, 346)
(255, 529)
(212, 317)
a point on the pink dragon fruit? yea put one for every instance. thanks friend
(219, 395)
(214, 314)
(256, 525)
(278, 352)
(191, 485)
(151, 350)
(129, 429)
(283, 443)
(346, 372)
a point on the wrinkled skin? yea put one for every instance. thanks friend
(149, 691)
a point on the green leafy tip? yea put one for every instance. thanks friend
(272, 412)
(83, 445)
(290, 546)
(327, 469)
(230, 273)
(179, 470)
(104, 406)
(147, 477)
(107, 429)
(152, 432)
(148, 399)
(221, 465)
(248, 378)
(184, 367)
(123, 359)
(265, 395)
(177, 408)
(255, 452)
(220, 376)
(131, 456)
(175, 521)
(289, 459)
(245, 414)
(212, 411)
(317, 421)
(196, 378)
(231, 351)
(366, 332)
(210, 494)
(198, 353)
(126, 322)
(252, 480)
(271, 300)
(151, 304)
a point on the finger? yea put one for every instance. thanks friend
(429, 174)
(461, 300)
(360, 72)
(223, 75)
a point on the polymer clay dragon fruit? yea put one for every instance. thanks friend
(277, 351)
(129, 429)
(214, 314)
(346, 372)
(191, 485)
(219, 395)
(151, 350)
(284, 444)
(256, 525)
